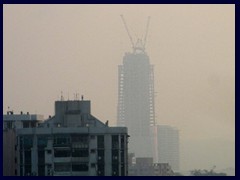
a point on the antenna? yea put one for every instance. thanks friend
(62, 96)
(129, 35)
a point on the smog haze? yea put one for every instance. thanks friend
(77, 49)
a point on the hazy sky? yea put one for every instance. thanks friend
(77, 48)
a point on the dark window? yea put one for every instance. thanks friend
(62, 153)
(49, 151)
(42, 141)
(122, 156)
(21, 170)
(27, 142)
(115, 171)
(93, 150)
(100, 141)
(41, 157)
(80, 153)
(80, 167)
(100, 156)
(115, 155)
(10, 125)
(93, 165)
(25, 124)
(115, 143)
(122, 142)
(61, 141)
(21, 157)
(27, 170)
(80, 138)
(41, 170)
(80, 141)
(62, 167)
(15, 172)
(28, 157)
(49, 169)
(123, 170)
(100, 169)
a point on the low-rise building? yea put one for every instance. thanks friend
(72, 143)
(145, 167)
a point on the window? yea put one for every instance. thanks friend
(41, 157)
(100, 141)
(62, 167)
(62, 153)
(27, 142)
(28, 170)
(80, 167)
(61, 141)
(25, 124)
(122, 156)
(122, 142)
(100, 170)
(42, 141)
(41, 170)
(28, 157)
(115, 156)
(100, 156)
(93, 151)
(80, 153)
(80, 141)
(115, 171)
(115, 143)
(10, 125)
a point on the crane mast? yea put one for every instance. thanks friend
(145, 38)
(129, 35)
(140, 44)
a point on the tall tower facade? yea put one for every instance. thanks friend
(136, 102)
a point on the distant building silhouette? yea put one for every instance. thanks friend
(168, 146)
(146, 167)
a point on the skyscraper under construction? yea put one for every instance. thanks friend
(136, 98)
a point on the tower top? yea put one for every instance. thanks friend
(140, 44)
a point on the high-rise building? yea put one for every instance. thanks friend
(136, 101)
(168, 146)
(71, 143)
(136, 98)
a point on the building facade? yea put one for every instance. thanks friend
(72, 143)
(168, 146)
(136, 102)
(12, 122)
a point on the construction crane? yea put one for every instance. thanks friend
(145, 38)
(129, 35)
(140, 44)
